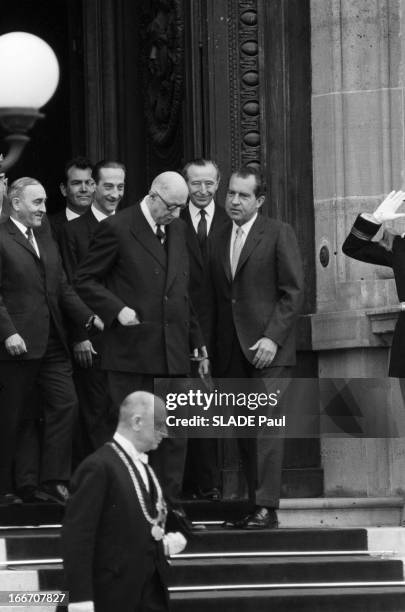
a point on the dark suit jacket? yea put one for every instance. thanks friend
(57, 222)
(358, 245)
(74, 240)
(32, 290)
(199, 268)
(265, 296)
(127, 266)
(105, 537)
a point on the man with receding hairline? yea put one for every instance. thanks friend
(113, 540)
(136, 277)
(34, 295)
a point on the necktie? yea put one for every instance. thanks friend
(236, 250)
(202, 230)
(161, 235)
(30, 237)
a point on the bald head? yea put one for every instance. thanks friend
(167, 196)
(142, 420)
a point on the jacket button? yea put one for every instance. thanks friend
(165, 298)
(233, 301)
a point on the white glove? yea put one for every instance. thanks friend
(174, 542)
(387, 210)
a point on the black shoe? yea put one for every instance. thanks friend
(209, 494)
(179, 521)
(9, 499)
(54, 492)
(261, 518)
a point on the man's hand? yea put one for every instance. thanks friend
(201, 355)
(98, 323)
(83, 353)
(127, 316)
(15, 345)
(387, 210)
(266, 350)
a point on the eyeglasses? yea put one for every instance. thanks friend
(170, 207)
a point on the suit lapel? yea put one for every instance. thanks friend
(224, 252)
(173, 252)
(20, 238)
(145, 235)
(192, 240)
(254, 237)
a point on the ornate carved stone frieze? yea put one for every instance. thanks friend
(162, 67)
(244, 82)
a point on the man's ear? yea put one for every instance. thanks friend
(63, 189)
(260, 201)
(15, 204)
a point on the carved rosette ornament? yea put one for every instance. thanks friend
(244, 71)
(162, 59)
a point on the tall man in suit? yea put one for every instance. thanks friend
(77, 187)
(135, 276)
(33, 350)
(257, 282)
(203, 218)
(96, 419)
(112, 536)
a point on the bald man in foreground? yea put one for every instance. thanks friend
(113, 541)
(136, 278)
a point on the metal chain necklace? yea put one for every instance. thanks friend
(158, 523)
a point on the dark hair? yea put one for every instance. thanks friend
(77, 162)
(105, 163)
(246, 171)
(200, 161)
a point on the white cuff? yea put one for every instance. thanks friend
(81, 606)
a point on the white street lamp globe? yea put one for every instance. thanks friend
(29, 71)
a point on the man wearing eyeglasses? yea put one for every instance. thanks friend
(136, 276)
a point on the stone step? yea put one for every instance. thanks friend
(319, 599)
(223, 540)
(257, 570)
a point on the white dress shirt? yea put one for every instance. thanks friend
(100, 216)
(146, 212)
(246, 227)
(23, 229)
(196, 217)
(71, 214)
(138, 458)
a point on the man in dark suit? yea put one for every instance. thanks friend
(203, 218)
(113, 532)
(257, 282)
(77, 187)
(135, 276)
(388, 251)
(96, 419)
(33, 350)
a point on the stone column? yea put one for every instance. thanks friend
(358, 157)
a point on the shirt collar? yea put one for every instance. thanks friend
(100, 216)
(195, 211)
(147, 214)
(130, 449)
(23, 228)
(71, 214)
(246, 226)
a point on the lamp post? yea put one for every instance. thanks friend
(29, 75)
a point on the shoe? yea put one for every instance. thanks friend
(179, 521)
(29, 494)
(209, 494)
(54, 492)
(9, 499)
(261, 518)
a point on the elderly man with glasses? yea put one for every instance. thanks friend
(136, 277)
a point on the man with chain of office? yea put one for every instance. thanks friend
(113, 538)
